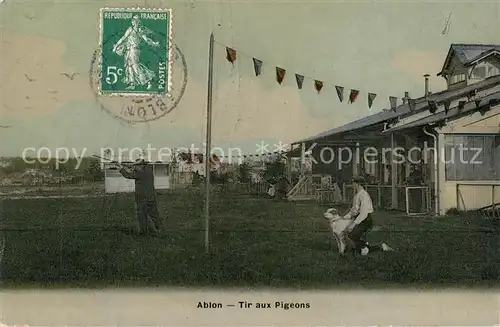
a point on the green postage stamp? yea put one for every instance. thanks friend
(136, 51)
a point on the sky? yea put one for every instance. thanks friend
(383, 47)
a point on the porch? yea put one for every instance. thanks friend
(336, 158)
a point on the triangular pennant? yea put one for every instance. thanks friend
(493, 102)
(478, 102)
(230, 55)
(394, 103)
(412, 104)
(371, 98)
(300, 80)
(446, 104)
(471, 94)
(432, 106)
(280, 74)
(353, 95)
(340, 92)
(257, 66)
(318, 85)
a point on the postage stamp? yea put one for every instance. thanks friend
(136, 51)
(141, 108)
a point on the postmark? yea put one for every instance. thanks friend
(137, 107)
(136, 57)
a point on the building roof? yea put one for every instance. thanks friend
(468, 53)
(484, 55)
(453, 113)
(402, 110)
(358, 124)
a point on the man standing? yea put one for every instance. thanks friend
(145, 195)
(416, 196)
(340, 180)
(361, 216)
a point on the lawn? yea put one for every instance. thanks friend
(255, 242)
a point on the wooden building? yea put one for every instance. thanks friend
(422, 134)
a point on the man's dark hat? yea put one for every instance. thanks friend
(359, 179)
(140, 161)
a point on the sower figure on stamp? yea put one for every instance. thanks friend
(129, 45)
(361, 216)
(145, 195)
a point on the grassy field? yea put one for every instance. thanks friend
(255, 242)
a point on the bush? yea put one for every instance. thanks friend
(275, 170)
(244, 173)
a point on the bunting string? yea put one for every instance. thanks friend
(233, 55)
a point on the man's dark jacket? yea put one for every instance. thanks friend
(144, 181)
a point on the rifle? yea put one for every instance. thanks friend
(120, 165)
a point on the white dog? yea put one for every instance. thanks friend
(339, 226)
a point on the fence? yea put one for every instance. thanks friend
(414, 200)
(83, 188)
(329, 195)
(316, 186)
(478, 196)
(182, 182)
(303, 188)
(417, 200)
(381, 195)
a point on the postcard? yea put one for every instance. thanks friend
(249, 163)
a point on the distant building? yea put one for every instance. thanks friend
(7, 181)
(5, 163)
(114, 182)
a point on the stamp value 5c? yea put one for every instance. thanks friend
(136, 51)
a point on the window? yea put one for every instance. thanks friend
(493, 71)
(449, 157)
(472, 157)
(457, 78)
(478, 72)
(161, 170)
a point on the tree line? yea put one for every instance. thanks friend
(90, 168)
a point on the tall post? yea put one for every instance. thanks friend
(441, 173)
(302, 158)
(208, 159)
(394, 173)
(289, 167)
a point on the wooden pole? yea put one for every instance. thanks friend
(208, 142)
(302, 159)
(394, 174)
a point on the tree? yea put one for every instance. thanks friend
(93, 171)
(187, 157)
(274, 169)
(16, 165)
(244, 172)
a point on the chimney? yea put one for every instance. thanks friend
(426, 76)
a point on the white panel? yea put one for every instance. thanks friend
(162, 182)
(119, 184)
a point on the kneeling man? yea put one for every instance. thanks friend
(361, 216)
